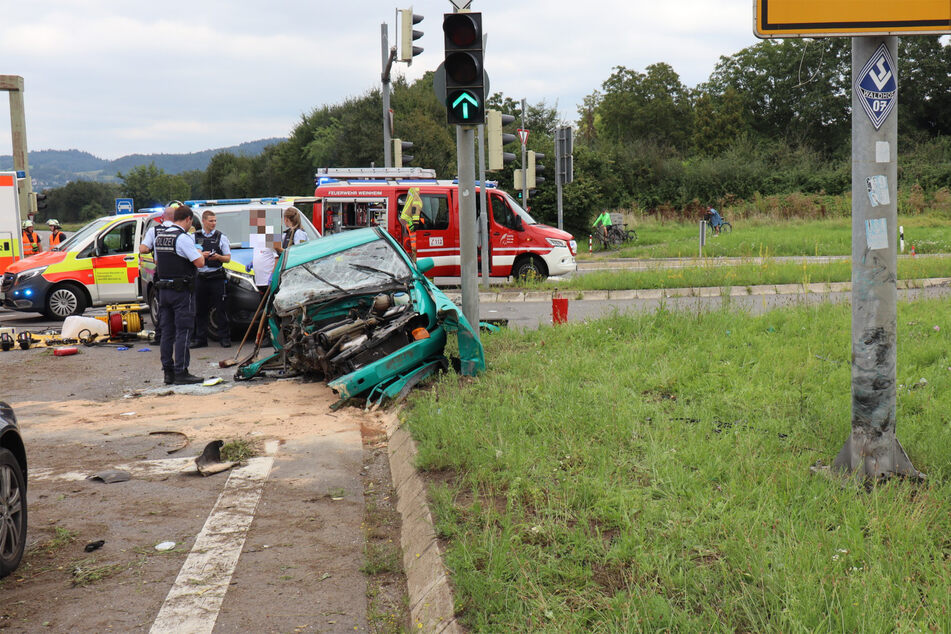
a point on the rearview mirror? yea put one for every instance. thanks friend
(425, 264)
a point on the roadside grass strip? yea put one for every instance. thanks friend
(713, 273)
(193, 603)
(652, 472)
(757, 237)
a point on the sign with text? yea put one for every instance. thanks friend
(817, 18)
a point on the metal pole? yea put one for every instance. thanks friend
(559, 133)
(873, 446)
(524, 161)
(465, 140)
(484, 213)
(14, 85)
(385, 77)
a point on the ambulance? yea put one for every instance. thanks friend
(364, 197)
(10, 229)
(97, 265)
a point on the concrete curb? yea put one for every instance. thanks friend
(431, 602)
(692, 291)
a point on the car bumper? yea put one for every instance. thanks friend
(560, 261)
(242, 302)
(28, 296)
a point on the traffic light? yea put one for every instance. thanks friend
(398, 157)
(39, 201)
(532, 178)
(494, 121)
(408, 35)
(465, 76)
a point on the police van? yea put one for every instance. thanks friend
(236, 222)
(519, 246)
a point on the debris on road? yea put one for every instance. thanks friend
(163, 432)
(209, 462)
(163, 546)
(96, 545)
(111, 476)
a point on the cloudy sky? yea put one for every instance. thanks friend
(116, 77)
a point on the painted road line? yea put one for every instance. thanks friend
(193, 603)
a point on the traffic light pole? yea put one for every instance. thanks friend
(388, 56)
(14, 85)
(483, 218)
(465, 142)
(873, 446)
(524, 160)
(558, 175)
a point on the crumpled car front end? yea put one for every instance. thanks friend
(354, 310)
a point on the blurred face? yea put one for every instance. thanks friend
(209, 223)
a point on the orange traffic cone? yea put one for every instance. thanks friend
(912, 250)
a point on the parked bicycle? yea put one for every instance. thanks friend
(614, 234)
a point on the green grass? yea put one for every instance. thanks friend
(754, 237)
(651, 472)
(237, 450)
(712, 273)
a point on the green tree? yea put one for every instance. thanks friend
(150, 186)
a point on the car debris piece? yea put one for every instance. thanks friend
(209, 462)
(96, 545)
(111, 476)
(215, 380)
(163, 432)
(164, 546)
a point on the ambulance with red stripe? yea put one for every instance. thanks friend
(97, 265)
(519, 246)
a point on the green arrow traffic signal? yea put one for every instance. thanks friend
(466, 106)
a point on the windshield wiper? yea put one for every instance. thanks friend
(327, 282)
(364, 267)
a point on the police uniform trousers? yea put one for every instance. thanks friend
(210, 295)
(177, 316)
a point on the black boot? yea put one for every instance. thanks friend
(185, 378)
(169, 377)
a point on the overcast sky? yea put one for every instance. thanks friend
(117, 77)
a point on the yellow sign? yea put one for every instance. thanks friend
(816, 18)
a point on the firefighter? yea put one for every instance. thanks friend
(412, 218)
(56, 233)
(31, 239)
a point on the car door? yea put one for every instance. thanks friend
(504, 235)
(437, 237)
(116, 263)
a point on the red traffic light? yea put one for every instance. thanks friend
(463, 29)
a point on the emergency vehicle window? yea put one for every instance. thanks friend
(503, 214)
(435, 212)
(119, 239)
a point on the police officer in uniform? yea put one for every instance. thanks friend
(210, 285)
(177, 259)
(148, 244)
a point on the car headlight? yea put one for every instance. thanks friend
(31, 273)
(573, 247)
(555, 242)
(245, 281)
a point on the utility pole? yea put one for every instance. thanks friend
(14, 85)
(873, 446)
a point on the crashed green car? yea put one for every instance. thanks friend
(355, 310)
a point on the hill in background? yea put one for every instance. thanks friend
(55, 168)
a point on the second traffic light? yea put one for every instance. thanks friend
(532, 178)
(408, 35)
(399, 146)
(465, 75)
(495, 139)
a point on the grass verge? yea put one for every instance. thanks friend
(651, 472)
(748, 274)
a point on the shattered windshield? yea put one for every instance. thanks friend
(368, 265)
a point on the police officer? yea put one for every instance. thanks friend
(210, 285)
(148, 243)
(177, 259)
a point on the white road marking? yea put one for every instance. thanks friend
(193, 603)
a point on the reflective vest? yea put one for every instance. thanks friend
(32, 239)
(170, 264)
(56, 237)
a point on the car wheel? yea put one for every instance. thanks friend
(529, 267)
(214, 329)
(64, 301)
(12, 512)
(153, 308)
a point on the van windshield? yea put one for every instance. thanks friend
(236, 224)
(521, 213)
(81, 235)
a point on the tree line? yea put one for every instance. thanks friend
(772, 119)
